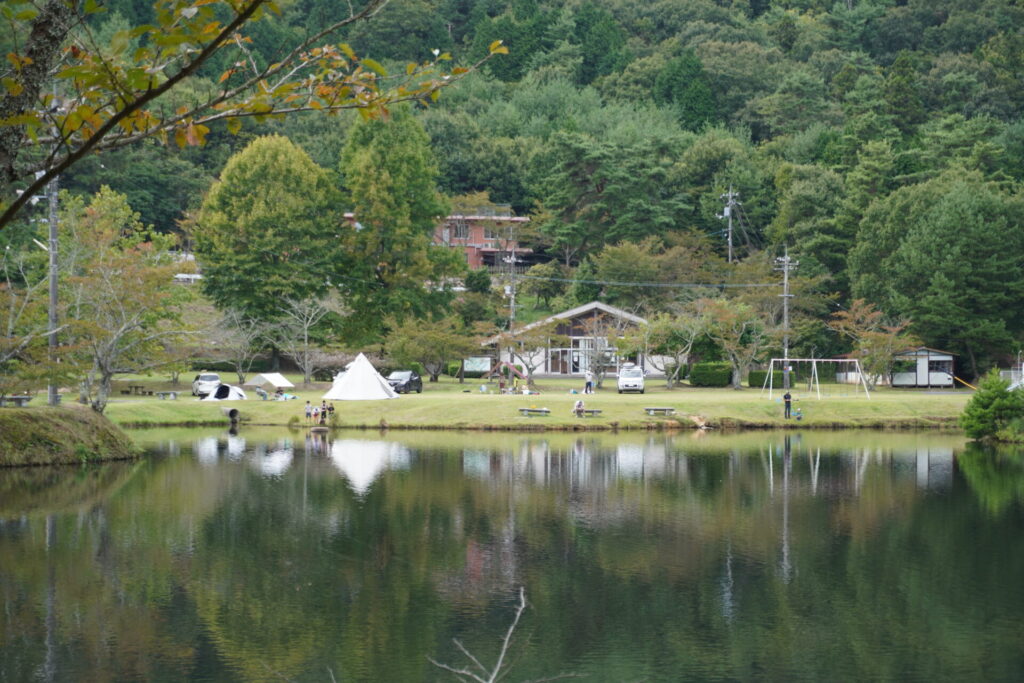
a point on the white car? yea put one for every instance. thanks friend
(631, 378)
(204, 383)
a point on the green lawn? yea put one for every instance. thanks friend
(448, 404)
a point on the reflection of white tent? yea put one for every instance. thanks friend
(360, 382)
(362, 461)
(275, 463)
(206, 450)
(274, 379)
(225, 392)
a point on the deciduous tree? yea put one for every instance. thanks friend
(117, 91)
(738, 330)
(431, 343)
(269, 230)
(876, 339)
(390, 175)
(119, 292)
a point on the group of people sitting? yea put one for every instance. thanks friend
(279, 394)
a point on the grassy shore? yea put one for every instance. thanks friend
(59, 436)
(450, 405)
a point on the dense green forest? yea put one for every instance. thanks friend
(880, 141)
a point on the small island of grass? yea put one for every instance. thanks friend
(59, 436)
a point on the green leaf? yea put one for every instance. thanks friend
(375, 67)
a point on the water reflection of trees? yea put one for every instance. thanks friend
(649, 558)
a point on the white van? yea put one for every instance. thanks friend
(205, 383)
(631, 378)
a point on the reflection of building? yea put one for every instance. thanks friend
(932, 467)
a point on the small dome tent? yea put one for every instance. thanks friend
(225, 392)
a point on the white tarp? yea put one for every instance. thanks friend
(360, 382)
(226, 392)
(274, 379)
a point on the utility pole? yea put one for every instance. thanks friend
(785, 264)
(730, 204)
(51, 190)
(511, 260)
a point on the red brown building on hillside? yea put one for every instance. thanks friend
(487, 236)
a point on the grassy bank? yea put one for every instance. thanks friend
(59, 436)
(449, 405)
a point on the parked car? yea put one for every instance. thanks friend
(631, 378)
(205, 383)
(404, 381)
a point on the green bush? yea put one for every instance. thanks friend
(757, 377)
(711, 375)
(453, 371)
(992, 409)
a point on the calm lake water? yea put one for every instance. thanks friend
(269, 556)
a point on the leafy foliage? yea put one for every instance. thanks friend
(992, 408)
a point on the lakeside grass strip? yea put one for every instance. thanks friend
(448, 405)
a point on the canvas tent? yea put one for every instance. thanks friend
(360, 382)
(225, 392)
(274, 379)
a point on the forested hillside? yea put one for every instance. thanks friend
(880, 140)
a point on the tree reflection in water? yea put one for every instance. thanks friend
(261, 556)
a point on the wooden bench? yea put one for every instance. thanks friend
(172, 395)
(17, 401)
(660, 411)
(589, 412)
(531, 412)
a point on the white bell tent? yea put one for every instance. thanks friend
(360, 382)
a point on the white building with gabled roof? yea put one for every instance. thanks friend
(592, 331)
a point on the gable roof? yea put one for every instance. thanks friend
(918, 349)
(592, 307)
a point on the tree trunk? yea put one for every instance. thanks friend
(99, 404)
(737, 376)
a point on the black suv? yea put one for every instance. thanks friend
(404, 381)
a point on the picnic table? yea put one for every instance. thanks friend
(17, 401)
(531, 412)
(660, 411)
(172, 395)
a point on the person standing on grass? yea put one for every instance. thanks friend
(309, 412)
(787, 400)
(588, 382)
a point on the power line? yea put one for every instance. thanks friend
(680, 285)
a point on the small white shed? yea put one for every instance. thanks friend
(923, 367)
